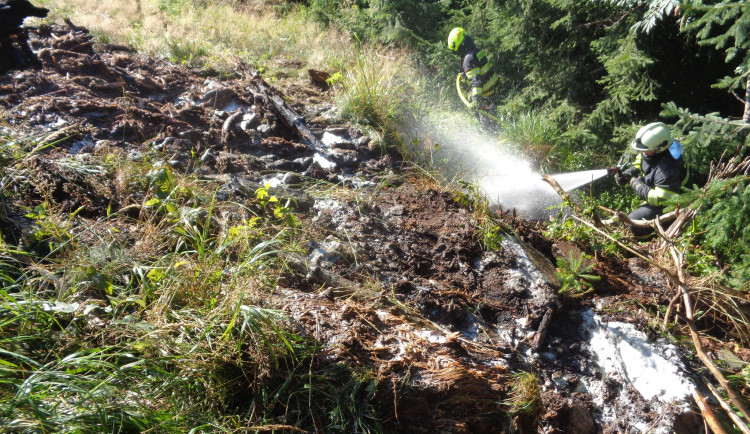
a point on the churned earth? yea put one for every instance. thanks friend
(395, 276)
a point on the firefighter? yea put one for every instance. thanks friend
(658, 173)
(477, 71)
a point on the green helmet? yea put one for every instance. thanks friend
(652, 137)
(456, 38)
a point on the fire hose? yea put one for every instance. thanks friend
(466, 101)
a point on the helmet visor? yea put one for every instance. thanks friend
(638, 145)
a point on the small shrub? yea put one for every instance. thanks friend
(574, 279)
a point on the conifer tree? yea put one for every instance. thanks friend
(726, 25)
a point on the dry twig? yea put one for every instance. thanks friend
(679, 261)
(566, 198)
(736, 419)
(708, 414)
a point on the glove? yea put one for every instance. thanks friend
(474, 104)
(630, 173)
(620, 178)
(635, 182)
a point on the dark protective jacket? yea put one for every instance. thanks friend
(477, 70)
(663, 177)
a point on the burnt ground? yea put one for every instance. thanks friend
(398, 282)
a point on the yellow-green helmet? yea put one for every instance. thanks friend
(455, 38)
(652, 137)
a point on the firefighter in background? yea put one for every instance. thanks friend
(658, 173)
(477, 71)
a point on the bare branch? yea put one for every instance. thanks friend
(569, 200)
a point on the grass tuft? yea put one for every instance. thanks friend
(374, 94)
(525, 395)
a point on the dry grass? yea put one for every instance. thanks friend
(525, 394)
(253, 33)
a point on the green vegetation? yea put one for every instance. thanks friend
(573, 272)
(375, 94)
(577, 80)
(525, 397)
(156, 318)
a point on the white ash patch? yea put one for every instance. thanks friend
(627, 358)
(323, 162)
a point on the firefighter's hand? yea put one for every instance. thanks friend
(624, 177)
(474, 104)
(620, 178)
(635, 182)
(630, 173)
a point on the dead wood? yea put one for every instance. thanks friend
(679, 262)
(628, 248)
(226, 128)
(708, 414)
(622, 217)
(541, 333)
(727, 409)
(569, 200)
(291, 119)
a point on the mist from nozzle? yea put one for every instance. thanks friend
(503, 177)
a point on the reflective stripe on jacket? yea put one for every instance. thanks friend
(663, 175)
(477, 70)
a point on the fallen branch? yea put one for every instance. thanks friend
(668, 312)
(291, 118)
(736, 419)
(541, 332)
(226, 128)
(708, 413)
(668, 272)
(569, 200)
(679, 262)
(619, 215)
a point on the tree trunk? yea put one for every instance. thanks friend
(746, 115)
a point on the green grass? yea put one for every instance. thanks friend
(525, 397)
(111, 324)
(536, 135)
(374, 93)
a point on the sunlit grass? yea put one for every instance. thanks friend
(525, 396)
(211, 35)
(375, 92)
(159, 323)
(128, 324)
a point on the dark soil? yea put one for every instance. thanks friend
(399, 283)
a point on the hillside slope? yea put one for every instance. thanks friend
(131, 163)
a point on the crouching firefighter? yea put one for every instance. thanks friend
(476, 70)
(657, 174)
